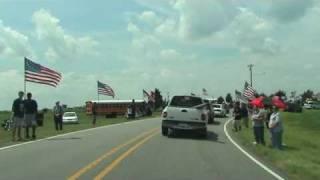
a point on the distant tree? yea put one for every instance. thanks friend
(280, 93)
(220, 100)
(229, 98)
(158, 99)
(263, 94)
(307, 95)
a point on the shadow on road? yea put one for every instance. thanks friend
(63, 139)
(215, 123)
(211, 136)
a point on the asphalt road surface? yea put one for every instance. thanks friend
(135, 151)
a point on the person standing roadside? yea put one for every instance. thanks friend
(245, 115)
(133, 109)
(276, 128)
(258, 118)
(30, 114)
(18, 116)
(94, 114)
(58, 113)
(237, 117)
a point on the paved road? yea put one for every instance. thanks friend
(130, 151)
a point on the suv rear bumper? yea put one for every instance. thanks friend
(184, 125)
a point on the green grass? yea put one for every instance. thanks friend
(300, 158)
(48, 128)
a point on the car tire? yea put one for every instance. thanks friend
(164, 131)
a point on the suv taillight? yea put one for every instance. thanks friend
(203, 117)
(164, 114)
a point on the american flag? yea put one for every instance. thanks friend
(248, 91)
(152, 96)
(145, 94)
(240, 97)
(39, 74)
(105, 89)
(204, 92)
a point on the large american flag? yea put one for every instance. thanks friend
(39, 74)
(149, 96)
(105, 89)
(248, 91)
(204, 92)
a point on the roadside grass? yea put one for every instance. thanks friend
(48, 128)
(300, 158)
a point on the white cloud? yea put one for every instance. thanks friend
(149, 17)
(14, 44)
(200, 19)
(132, 28)
(60, 44)
(252, 33)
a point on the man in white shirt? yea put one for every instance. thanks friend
(276, 128)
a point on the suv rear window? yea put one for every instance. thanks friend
(185, 101)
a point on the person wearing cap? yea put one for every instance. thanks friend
(58, 113)
(276, 128)
(30, 114)
(17, 116)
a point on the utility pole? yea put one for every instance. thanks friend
(250, 69)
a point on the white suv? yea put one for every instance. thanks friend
(185, 113)
(219, 110)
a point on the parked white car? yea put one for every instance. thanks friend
(219, 110)
(70, 117)
(185, 113)
(308, 105)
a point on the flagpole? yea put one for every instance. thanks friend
(24, 74)
(98, 91)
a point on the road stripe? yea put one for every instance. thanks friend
(117, 161)
(93, 164)
(277, 176)
(74, 132)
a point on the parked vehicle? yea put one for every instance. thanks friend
(187, 113)
(70, 117)
(316, 105)
(308, 104)
(219, 110)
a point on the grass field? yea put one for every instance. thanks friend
(48, 128)
(300, 158)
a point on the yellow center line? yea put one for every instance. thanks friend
(93, 164)
(117, 161)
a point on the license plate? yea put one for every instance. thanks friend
(184, 125)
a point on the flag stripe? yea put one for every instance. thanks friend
(42, 82)
(31, 79)
(43, 76)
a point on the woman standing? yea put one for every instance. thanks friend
(276, 128)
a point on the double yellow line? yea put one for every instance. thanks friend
(143, 138)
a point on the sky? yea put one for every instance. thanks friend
(178, 46)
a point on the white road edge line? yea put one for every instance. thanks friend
(75, 132)
(277, 176)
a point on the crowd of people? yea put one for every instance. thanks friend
(24, 116)
(267, 117)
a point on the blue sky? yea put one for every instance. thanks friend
(178, 46)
